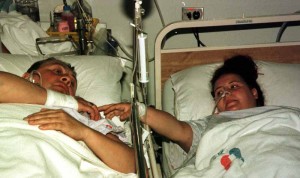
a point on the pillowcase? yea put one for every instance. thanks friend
(98, 76)
(280, 83)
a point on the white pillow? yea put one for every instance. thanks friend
(98, 76)
(279, 82)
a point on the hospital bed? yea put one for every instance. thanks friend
(182, 74)
(100, 80)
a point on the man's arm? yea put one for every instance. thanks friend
(15, 89)
(108, 148)
(111, 151)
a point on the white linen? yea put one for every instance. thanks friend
(279, 81)
(27, 151)
(266, 144)
(20, 34)
(99, 77)
(187, 96)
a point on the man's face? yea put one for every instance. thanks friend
(58, 77)
(238, 94)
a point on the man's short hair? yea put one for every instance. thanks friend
(51, 60)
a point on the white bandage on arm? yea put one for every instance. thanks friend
(142, 109)
(57, 99)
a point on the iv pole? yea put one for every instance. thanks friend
(141, 77)
(135, 122)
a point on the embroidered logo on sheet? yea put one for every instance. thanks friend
(227, 157)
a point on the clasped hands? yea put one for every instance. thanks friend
(58, 119)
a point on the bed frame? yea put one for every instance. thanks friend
(169, 61)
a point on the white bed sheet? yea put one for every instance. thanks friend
(27, 151)
(183, 99)
(266, 144)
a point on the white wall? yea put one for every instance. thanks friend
(111, 12)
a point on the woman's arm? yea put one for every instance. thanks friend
(163, 123)
(168, 126)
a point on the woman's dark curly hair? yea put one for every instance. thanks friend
(245, 67)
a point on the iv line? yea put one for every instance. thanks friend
(219, 99)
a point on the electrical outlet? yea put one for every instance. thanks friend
(192, 13)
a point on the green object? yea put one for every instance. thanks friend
(5, 5)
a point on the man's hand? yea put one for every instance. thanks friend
(90, 108)
(58, 119)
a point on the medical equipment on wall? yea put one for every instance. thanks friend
(79, 16)
(84, 23)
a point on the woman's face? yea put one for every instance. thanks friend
(238, 94)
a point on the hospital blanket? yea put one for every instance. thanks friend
(263, 144)
(27, 151)
(20, 33)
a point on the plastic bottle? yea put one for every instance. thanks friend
(68, 16)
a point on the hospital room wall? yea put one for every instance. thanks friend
(111, 12)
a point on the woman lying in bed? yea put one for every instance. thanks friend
(55, 86)
(228, 139)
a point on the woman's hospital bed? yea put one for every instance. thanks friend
(182, 74)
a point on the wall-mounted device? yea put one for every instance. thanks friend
(192, 13)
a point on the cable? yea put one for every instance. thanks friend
(159, 13)
(282, 29)
(82, 11)
(199, 42)
(162, 21)
(122, 48)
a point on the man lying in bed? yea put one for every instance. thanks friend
(55, 86)
(234, 88)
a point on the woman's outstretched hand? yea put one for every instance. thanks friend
(123, 110)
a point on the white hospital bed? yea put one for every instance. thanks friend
(182, 75)
(100, 80)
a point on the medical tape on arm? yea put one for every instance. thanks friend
(142, 110)
(56, 99)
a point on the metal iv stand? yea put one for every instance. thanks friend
(136, 127)
(139, 59)
(84, 24)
